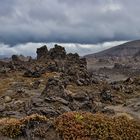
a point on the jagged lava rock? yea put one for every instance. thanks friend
(42, 52)
(54, 87)
(58, 52)
(69, 64)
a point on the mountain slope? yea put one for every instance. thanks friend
(127, 49)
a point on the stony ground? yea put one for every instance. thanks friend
(45, 98)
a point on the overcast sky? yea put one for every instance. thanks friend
(68, 21)
(29, 49)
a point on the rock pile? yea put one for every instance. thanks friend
(58, 52)
(71, 65)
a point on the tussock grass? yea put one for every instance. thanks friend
(88, 126)
(12, 127)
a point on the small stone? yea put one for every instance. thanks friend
(2, 108)
(36, 84)
(7, 99)
(18, 102)
(106, 95)
(79, 83)
(57, 99)
(82, 96)
(129, 80)
(20, 90)
(63, 109)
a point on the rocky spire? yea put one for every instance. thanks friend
(42, 52)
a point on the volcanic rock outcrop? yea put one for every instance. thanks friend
(71, 65)
(58, 52)
(42, 52)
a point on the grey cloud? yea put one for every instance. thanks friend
(29, 49)
(69, 21)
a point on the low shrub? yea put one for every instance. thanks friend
(88, 126)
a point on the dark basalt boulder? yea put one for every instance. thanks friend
(42, 52)
(58, 52)
(15, 58)
(54, 88)
(20, 58)
(106, 95)
(81, 97)
(52, 67)
(33, 74)
(118, 66)
(129, 80)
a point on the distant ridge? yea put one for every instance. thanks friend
(2, 56)
(130, 49)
